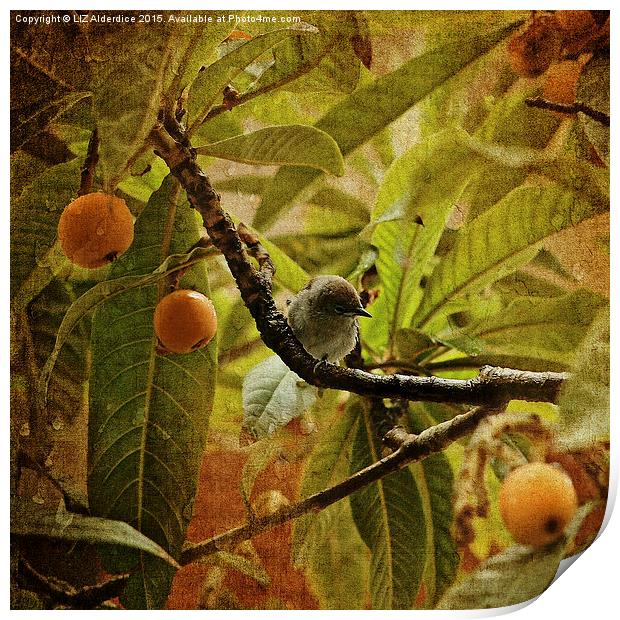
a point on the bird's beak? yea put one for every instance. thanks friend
(362, 312)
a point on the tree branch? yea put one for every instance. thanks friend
(493, 385)
(569, 108)
(409, 449)
(85, 597)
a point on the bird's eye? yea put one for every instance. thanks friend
(339, 309)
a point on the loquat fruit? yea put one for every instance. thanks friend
(185, 321)
(533, 51)
(537, 501)
(95, 229)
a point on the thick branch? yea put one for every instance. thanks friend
(409, 448)
(493, 385)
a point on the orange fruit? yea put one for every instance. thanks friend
(185, 321)
(95, 229)
(532, 52)
(537, 501)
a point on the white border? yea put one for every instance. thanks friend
(589, 588)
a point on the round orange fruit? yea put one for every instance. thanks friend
(95, 229)
(185, 321)
(537, 501)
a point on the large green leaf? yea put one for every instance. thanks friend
(36, 122)
(434, 479)
(369, 109)
(389, 515)
(593, 89)
(136, 65)
(537, 327)
(60, 435)
(149, 412)
(323, 254)
(202, 42)
(327, 543)
(514, 576)
(292, 145)
(584, 402)
(106, 291)
(28, 519)
(325, 63)
(34, 219)
(517, 575)
(210, 83)
(418, 194)
(273, 395)
(500, 240)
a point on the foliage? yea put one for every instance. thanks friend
(396, 149)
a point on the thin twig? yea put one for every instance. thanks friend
(569, 108)
(86, 597)
(410, 448)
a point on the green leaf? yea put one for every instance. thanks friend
(514, 576)
(244, 566)
(584, 402)
(326, 544)
(503, 238)
(107, 291)
(409, 343)
(37, 121)
(61, 433)
(369, 109)
(324, 467)
(203, 40)
(210, 83)
(260, 454)
(418, 194)
(128, 84)
(319, 254)
(243, 184)
(34, 220)
(593, 89)
(517, 575)
(273, 395)
(149, 413)
(28, 519)
(292, 145)
(536, 327)
(489, 186)
(325, 63)
(389, 515)
(434, 479)
(349, 208)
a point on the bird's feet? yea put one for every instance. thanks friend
(319, 364)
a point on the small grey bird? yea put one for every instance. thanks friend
(323, 316)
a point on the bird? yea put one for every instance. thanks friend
(323, 317)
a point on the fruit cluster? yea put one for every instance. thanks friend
(94, 230)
